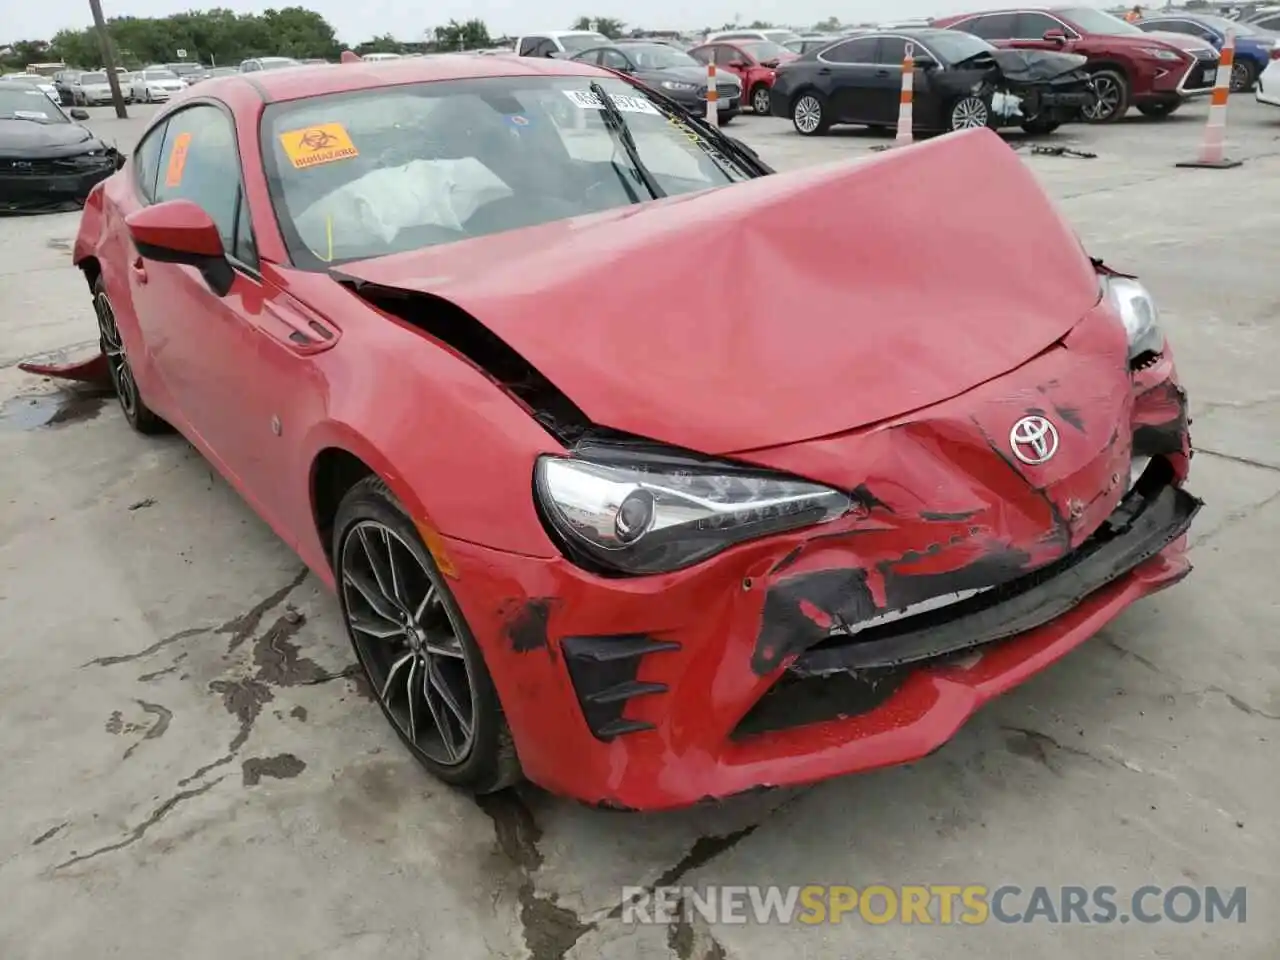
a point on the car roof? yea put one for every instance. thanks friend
(316, 80)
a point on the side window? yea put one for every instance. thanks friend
(1033, 26)
(891, 51)
(528, 45)
(997, 26)
(704, 54)
(146, 161)
(726, 55)
(546, 48)
(199, 163)
(1270, 23)
(613, 60)
(862, 50)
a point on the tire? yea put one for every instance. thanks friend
(1159, 111)
(809, 114)
(1243, 76)
(1113, 98)
(725, 117)
(1040, 126)
(760, 100)
(123, 381)
(371, 523)
(969, 113)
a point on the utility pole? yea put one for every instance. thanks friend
(108, 58)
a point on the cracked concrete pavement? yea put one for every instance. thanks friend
(189, 766)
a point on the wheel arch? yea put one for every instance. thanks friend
(1117, 66)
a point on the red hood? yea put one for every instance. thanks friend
(794, 306)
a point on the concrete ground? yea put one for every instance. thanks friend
(188, 770)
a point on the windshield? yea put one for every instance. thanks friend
(381, 171)
(160, 75)
(1097, 21)
(956, 47)
(275, 63)
(762, 50)
(21, 102)
(577, 42)
(657, 56)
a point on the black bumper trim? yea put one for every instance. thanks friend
(1144, 523)
(603, 673)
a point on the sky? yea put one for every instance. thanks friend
(409, 21)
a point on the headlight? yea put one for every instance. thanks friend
(671, 511)
(1138, 312)
(1161, 54)
(677, 85)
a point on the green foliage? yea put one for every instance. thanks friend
(220, 36)
(469, 35)
(385, 43)
(611, 27)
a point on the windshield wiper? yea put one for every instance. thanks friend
(617, 124)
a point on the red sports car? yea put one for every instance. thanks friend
(753, 62)
(642, 547)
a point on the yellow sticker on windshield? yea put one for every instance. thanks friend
(323, 143)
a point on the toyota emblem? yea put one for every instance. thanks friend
(1034, 440)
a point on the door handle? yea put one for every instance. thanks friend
(824, 71)
(882, 73)
(139, 270)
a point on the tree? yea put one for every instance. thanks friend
(24, 52)
(759, 25)
(611, 27)
(470, 35)
(383, 44)
(829, 25)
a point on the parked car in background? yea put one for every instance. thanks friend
(375, 57)
(190, 73)
(1156, 73)
(62, 81)
(753, 62)
(1268, 87)
(254, 64)
(48, 161)
(155, 85)
(809, 42)
(558, 43)
(778, 35)
(1268, 20)
(672, 72)
(34, 81)
(1255, 46)
(223, 72)
(960, 82)
(91, 89)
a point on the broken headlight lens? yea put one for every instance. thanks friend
(640, 518)
(1138, 312)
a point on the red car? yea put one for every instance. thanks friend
(752, 61)
(1156, 73)
(797, 521)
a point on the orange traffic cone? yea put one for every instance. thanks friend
(713, 97)
(1213, 148)
(906, 122)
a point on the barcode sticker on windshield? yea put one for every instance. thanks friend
(586, 100)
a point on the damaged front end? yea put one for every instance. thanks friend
(1037, 89)
(54, 181)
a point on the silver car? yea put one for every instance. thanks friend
(155, 85)
(90, 89)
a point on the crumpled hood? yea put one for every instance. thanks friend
(794, 306)
(1027, 65)
(32, 138)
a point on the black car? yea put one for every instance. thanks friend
(48, 162)
(960, 81)
(671, 72)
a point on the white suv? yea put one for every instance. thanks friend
(565, 43)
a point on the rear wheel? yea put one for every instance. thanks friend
(1159, 110)
(1112, 92)
(760, 100)
(809, 114)
(1243, 76)
(135, 410)
(415, 647)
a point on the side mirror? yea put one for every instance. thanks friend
(178, 231)
(1055, 36)
(79, 113)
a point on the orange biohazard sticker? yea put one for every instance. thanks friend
(323, 143)
(177, 160)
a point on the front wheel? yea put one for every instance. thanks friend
(1243, 76)
(1159, 111)
(1112, 98)
(760, 100)
(809, 114)
(413, 643)
(969, 113)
